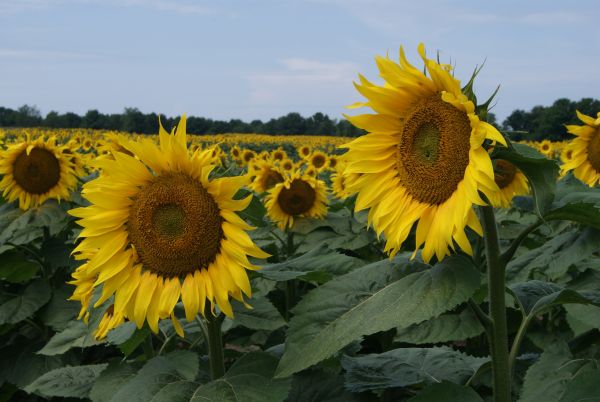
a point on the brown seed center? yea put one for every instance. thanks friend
(175, 225)
(504, 172)
(271, 178)
(37, 172)
(594, 150)
(433, 152)
(297, 199)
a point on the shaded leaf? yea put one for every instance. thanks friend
(76, 334)
(250, 379)
(73, 381)
(583, 387)
(16, 268)
(445, 328)
(333, 315)
(321, 259)
(24, 306)
(408, 366)
(262, 316)
(447, 392)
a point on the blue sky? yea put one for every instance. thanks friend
(263, 58)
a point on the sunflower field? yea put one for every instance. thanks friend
(431, 259)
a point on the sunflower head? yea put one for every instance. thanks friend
(304, 151)
(278, 154)
(318, 160)
(423, 162)
(36, 170)
(248, 155)
(158, 230)
(511, 182)
(266, 176)
(298, 196)
(584, 159)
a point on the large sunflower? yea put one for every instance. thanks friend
(298, 196)
(159, 230)
(36, 170)
(423, 161)
(585, 156)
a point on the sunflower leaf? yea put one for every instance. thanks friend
(447, 392)
(76, 381)
(445, 328)
(389, 294)
(250, 379)
(25, 305)
(408, 366)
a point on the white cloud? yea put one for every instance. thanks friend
(303, 83)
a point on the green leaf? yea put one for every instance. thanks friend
(29, 366)
(540, 171)
(175, 391)
(16, 268)
(180, 365)
(67, 382)
(445, 328)
(333, 315)
(250, 379)
(408, 366)
(254, 212)
(76, 335)
(536, 296)
(60, 311)
(556, 256)
(583, 387)
(262, 316)
(546, 379)
(582, 318)
(587, 214)
(319, 260)
(110, 380)
(21, 307)
(319, 386)
(447, 392)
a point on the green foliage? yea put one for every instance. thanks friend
(67, 381)
(250, 379)
(409, 366)
(447, 392)
(333, 315)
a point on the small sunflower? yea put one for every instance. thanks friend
(36, 170)
(266, 176)
(511, 182)
(247, 156)
(318, 160)
(332, 162)
(339, 181)
(287, 165)
(304, 151)
(278, 154)
(159, 230)
(585, 158)
(546, 148)
(298, 196)
(423, 162)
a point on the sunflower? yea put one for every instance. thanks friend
(304, 151)
(278, 154)
(36, 170)
(159, 230)
(287, 165)
(318, 160)
(298, 196)
(332, 162)
(248, 155)
(511, 182)
(423, 160)
(339, 181)
(585, 157)
(546, 148)
(265, 177)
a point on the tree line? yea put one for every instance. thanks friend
(541, 122)
(134, 121)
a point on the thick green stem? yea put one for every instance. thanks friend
(290, 286)
(496, 284)
(215, 345)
